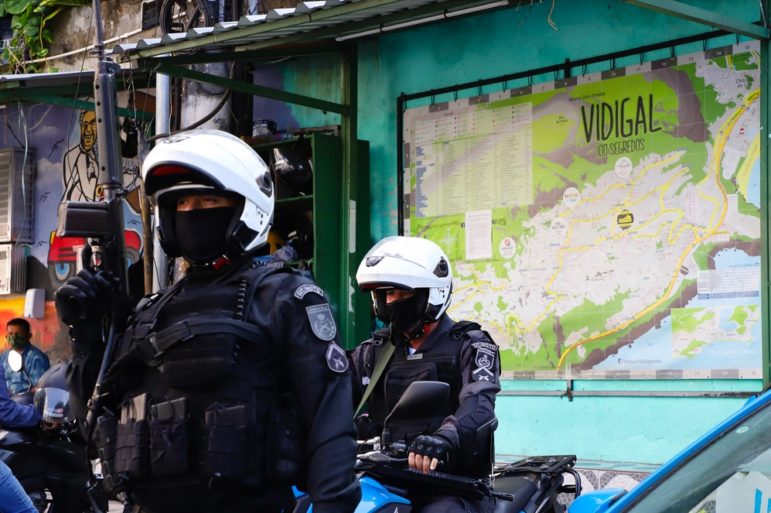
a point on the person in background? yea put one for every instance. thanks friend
(13, 498)
(18, 335)
(411, 284)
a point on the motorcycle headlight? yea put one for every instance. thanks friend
(52, 404)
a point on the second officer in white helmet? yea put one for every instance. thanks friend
(410, 279)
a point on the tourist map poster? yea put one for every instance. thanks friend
(605, 225)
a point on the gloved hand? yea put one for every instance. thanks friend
(84, 298)
(426, 452)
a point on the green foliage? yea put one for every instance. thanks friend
(31, 36)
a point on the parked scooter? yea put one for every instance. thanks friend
(51, 464)
(387, 484)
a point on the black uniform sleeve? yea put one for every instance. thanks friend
(480, 366)
(319, 372)
(82, 371)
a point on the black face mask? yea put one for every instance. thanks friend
(201, 232)
(406, 316)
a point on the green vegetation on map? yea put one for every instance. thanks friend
(626, 197)
(688, 319)
(622, 337)
(744, 61)
(589, 318)
(557, 126)
(745, 207)
(741, 315)
(547, 175)
(702, 255)
(693, 348)
(711, 107)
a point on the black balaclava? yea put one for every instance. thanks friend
(406, 316)
(202, 233)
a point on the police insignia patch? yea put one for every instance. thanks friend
(483, 374)
(485, 362)
(307, 288)
(484, 359)
(336, 359)
(322, 322)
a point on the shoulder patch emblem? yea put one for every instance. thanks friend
(485, 362)
(483, 374)
(485, 345)
(322, 322)
(336, 359)
(307, 288)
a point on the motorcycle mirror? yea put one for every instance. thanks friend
(421, 399)
(15, 361)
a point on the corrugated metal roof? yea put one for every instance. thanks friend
(308, 21)
(43, 81)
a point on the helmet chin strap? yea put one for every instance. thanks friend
(415, 332)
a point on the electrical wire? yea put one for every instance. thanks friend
(24, 198)
(207, 117)
(77, 94)
(548, 18)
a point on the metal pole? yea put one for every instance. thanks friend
(162, 126)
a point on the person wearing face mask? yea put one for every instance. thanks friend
(411, 284)
(36, 362)
(229, 386)
(13, 498)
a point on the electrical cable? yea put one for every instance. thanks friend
(548, 18)
(207, 117)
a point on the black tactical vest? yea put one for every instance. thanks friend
(204, 390)
(441, 363)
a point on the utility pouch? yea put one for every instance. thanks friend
(226, 431)
(105, 438)
(131, 456)
(201, 361)
(285, 448)
(169, 438)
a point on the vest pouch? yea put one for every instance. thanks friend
(285, 446)
(226, 443)
(105, 438)
(401, 374)
(169, 438)
(201, 361)
(397, 379)
(131, 442)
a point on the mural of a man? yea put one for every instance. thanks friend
(80, 166)
(80, 163)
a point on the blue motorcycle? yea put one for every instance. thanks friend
(387, 484)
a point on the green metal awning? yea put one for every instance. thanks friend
(67, 89)
(311, 23)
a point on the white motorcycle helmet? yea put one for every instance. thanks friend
(211, 160)
(409, 263)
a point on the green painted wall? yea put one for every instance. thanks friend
(612, 429)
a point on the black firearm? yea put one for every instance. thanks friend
(102, 221)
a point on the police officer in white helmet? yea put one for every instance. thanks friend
(410, 279)
(229, 386)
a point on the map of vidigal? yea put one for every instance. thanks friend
(606, 225)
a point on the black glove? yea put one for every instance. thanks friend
(432, 446)
(84, 298)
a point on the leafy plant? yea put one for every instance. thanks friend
(31, 36)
